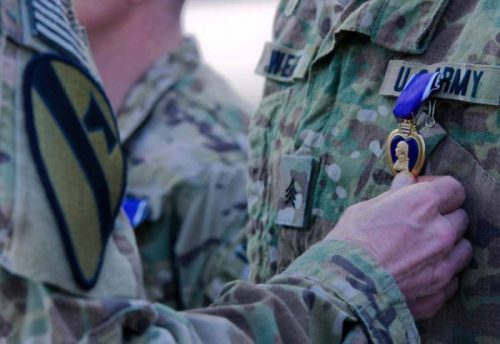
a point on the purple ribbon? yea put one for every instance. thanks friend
(416, 91)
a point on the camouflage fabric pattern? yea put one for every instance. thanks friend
(304, 304)
(335, 115)
(184, 131)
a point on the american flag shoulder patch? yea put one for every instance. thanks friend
(50, 24)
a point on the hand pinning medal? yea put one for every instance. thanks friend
(405, 147)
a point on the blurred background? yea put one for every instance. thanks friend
(232, 34)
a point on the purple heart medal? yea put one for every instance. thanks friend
(405, 147)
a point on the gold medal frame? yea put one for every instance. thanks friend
(420, 160)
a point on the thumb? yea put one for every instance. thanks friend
(402, 179)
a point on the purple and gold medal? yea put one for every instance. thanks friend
(405, 147)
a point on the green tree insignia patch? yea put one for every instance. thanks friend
(75, 145)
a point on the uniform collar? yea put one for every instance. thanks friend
(162, 76)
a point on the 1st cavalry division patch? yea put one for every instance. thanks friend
(74, 142)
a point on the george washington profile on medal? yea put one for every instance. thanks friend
(402, 154)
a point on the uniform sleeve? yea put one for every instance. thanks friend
(322, 297)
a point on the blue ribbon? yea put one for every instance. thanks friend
(416, 91)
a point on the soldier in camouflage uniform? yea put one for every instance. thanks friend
(70, 269)
(184, 133)
(333, 71)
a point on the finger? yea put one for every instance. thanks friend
(402, 179)
(434, 277)
(459, 221)
(448, 268)
(450, 192)
(426, 307)
(459, 257)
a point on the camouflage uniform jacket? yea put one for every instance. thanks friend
(318, 139)
(50, 291)
(184, 132)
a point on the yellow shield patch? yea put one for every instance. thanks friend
(74, 143)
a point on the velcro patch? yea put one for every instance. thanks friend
(293, 188)
(470, 83)
(75, 145)
(284, 64)
(50, 24)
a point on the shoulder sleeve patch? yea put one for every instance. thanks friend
(74, 143)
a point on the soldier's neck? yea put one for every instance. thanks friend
(125, 52)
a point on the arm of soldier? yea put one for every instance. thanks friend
(335, 291)
(303, 304)
(306, 303)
